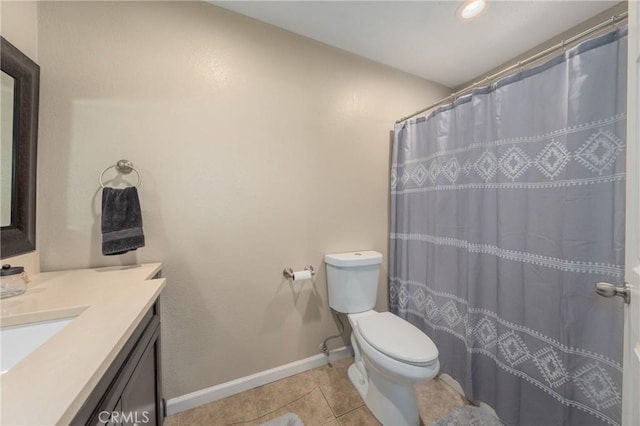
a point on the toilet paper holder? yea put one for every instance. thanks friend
(289, 273)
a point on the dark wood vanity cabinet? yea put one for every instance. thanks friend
(130, 392)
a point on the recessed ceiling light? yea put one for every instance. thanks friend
(472, 8)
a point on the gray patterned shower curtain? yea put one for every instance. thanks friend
(507, 206)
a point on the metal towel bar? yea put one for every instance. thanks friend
(123, 167)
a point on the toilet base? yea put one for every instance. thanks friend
(358, 381)
(391, 403)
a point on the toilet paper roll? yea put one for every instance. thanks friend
(301, 275)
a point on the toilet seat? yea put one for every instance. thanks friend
(397, 338)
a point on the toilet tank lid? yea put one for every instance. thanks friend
(356, 258)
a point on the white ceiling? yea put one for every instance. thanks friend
(425, 38)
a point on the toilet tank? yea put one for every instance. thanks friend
(352, 279)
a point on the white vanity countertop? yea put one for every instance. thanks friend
(49, 385)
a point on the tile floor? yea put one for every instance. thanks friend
(323, 396)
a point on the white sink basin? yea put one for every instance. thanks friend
(18, 341)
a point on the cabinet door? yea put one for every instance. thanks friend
(110, 417)
(139, 396)
(115, 419)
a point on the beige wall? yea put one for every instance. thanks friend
(19, 25)
(258, 150)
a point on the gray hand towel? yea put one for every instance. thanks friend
(121, 221)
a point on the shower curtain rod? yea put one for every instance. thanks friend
(615, 19)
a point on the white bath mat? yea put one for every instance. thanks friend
(289, 419)
(473, 416)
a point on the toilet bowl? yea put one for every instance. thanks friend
(390, 353)
(390, 356)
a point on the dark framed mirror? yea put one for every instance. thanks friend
(20, 78)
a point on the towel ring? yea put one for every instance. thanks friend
(123, 167)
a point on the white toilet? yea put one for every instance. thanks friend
(390, 354)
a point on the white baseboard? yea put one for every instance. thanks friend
(223, 390)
